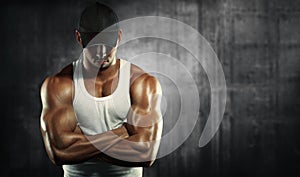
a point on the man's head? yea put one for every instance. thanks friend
(98, 33)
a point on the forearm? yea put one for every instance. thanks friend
(132, 150)
(123, 163)
(138, 150)
(85, 147)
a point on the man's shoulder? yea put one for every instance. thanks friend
(63, 78)
(140, 78)
(59, 85)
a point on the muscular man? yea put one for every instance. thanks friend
(101, 115)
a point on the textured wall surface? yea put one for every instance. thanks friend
(257, 42)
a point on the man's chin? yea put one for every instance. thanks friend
(105, 64)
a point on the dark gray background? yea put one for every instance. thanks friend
(257, 42)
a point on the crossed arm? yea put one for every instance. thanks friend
(137, 141)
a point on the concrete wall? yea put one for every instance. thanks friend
(257, 42)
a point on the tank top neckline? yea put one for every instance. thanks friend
(86, 93)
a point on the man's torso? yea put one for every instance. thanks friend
(102, 114)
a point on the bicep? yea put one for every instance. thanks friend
(59, 125)
(58, 120)
(145, 114)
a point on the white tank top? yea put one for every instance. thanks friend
(97, 115)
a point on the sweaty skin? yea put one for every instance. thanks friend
(66, 144)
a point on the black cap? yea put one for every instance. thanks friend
(96, 18)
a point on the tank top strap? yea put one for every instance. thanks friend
(75, 78)
(125, 75)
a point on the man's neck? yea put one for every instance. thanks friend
(102, 74)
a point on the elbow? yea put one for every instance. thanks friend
(56, 161)
(60, 158)
(148, 156)
(54, 154)
(55, 157)
(64, 160)
(67, 158)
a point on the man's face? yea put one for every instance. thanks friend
(100, 55)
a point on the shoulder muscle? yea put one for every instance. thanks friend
(57, 89)
(143, 90)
